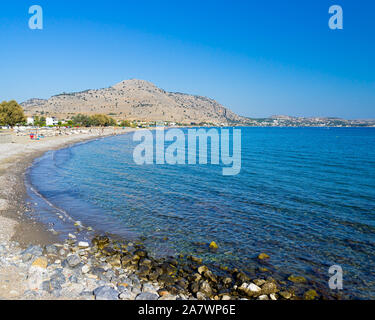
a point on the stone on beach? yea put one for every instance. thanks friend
(52, 249)
(85, 269)
(147, 296)
(269, 287)
(3, 204)
(31, 252)
(40, 263)
(147, 287)
(250, 289)
(106, 293)
(36, 277)
(83, 244)
(73, 260)
(127, 295)
(205, 288)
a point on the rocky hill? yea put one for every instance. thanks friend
(135, 100)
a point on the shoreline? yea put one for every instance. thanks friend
(13, 169)
(108, 269)
(17, 230)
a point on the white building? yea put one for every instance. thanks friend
(51, 121)
(30, 121)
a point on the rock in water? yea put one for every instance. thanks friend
(310, 295)
(263, 256)
(297, 279)
(213, 245)
(106, 293)
(286, 294)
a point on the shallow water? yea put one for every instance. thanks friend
(305, 196)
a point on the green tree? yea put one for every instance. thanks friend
(125, 123)
(82, 120)
(101, 120)
(39, 121)
(11, 113)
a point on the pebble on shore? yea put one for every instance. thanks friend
(108, 270)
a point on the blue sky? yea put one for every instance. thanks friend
(259, 58)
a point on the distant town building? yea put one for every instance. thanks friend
(51, 121)
(30, 121)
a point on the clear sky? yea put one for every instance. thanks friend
(258, 58)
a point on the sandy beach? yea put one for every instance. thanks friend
(17, 231)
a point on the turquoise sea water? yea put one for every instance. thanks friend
(305, 196)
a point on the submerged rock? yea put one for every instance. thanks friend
(213, 245)
(242, 277)
(285, 294)
(196, 260)
(310, 295)
(263, 256)
(297, 279)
